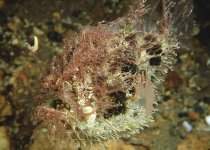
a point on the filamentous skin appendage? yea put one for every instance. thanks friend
(103, 86)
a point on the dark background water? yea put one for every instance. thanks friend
(189, 88)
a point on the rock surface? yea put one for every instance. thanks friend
(4, 139)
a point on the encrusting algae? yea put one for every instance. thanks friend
(103, 86)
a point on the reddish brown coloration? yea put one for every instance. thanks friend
(88, 54)
(107, 75)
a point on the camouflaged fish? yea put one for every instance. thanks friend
(103, 86)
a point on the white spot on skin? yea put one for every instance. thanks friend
(91, 118)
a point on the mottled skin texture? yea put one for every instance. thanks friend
(103, 85)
